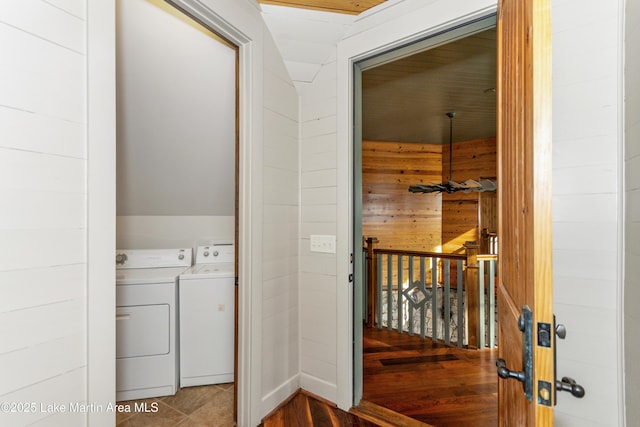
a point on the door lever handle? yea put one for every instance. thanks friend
(570, 385)
(505, 373)
(566, 383)
(561, 331)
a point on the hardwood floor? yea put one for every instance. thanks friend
(425, 382)
(430, 382)
(305, 410)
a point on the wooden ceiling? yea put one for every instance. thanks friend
(407, 100)
(352, 7)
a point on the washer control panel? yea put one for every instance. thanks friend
(153, 258)
(216, 253)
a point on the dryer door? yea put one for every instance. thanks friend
(142, 330)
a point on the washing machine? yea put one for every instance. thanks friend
(146, 321)
(207, 317)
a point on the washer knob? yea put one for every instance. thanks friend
(216, 253)
(181, 256)
(206, 253)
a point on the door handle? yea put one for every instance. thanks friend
(566, 383)
(570, 385)
(505, 373)
(526, 375)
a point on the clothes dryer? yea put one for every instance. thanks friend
(207, 315)
(146, 328)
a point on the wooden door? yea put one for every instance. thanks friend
(524, 198)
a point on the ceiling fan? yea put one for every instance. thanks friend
(468, 186)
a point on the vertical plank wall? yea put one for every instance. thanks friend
(632, 216)
(415, 221)
(42, 219)
(460, 217)
(398, 218)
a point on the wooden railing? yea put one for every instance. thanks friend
(446, 297)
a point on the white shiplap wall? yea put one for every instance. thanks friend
(318, 311)
(281, 201)
(308, 40)
(632, 217)
(586, 206)
(43, 216)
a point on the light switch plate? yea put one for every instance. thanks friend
(324, 244)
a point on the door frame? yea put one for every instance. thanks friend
(442, 37)
(230, 22)
(393, 35)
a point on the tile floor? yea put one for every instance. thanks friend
(190, 407)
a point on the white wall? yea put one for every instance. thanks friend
(318, 276)
(632, 217)
(280, 179)
(308, 41)
(43, 154)
(587, 206)
(176, 99)
(168, 231)
(47, 303)
(176, 139)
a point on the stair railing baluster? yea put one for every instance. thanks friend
(483, 321)
(409, 306)
(447, 301)
(460, 295)
(379, 293)
(399, 302)
(423, 307)
(435, 309)
(389, 292)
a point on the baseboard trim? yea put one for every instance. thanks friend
(318, 387)
(280, 396)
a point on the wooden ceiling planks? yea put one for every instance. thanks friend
(407, 99)
(352, 7)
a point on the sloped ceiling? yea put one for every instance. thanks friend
(306, 38)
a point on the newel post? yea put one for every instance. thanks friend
(372, 280)
(473, 297)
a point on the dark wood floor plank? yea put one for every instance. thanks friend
(305, 410)
(430, 382)
(407, 382)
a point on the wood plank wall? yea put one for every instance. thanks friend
(398, 218)
(403, 220)
(460, 211)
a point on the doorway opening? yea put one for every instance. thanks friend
(418, 311)
(177, 188)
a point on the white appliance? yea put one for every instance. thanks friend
(146, 329)
(207, 317)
